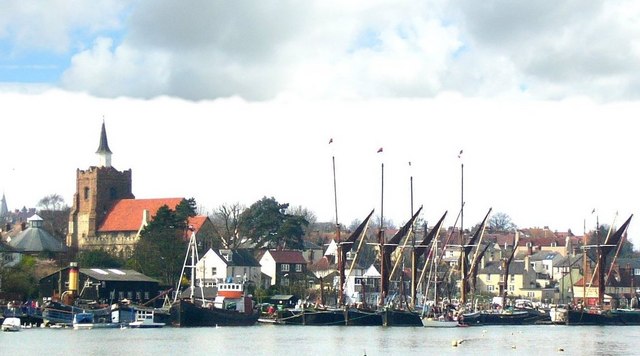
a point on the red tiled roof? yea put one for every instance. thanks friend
(288, 256)
(197, 221)
(126, 214)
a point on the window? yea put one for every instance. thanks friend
(636, 271)
(488, 276)
(214, 271)
(146, 295)
(298, 267)
(490, 288)
(284, 267)
(531, 294)
(512, 288)
(113, 193)
(86, 193)
(513, 278)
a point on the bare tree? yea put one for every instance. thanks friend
(55, 213)
(227, 218)
(52, 202)
(501, 222)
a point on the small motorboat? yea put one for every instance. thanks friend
(11, 324)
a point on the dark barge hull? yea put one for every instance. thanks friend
(394, 317)
(185, 314)
(322, 317)
(514, 318)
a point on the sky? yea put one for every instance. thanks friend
(229, 102)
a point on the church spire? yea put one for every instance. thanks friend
(103, 152)
(4, 211)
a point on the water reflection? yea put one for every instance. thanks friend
(327, 340)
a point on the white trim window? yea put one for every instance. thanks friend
(284, 267)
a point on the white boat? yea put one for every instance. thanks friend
(11, 324)
(144, 319)
(439, 323)
(84, 321)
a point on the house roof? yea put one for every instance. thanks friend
(308, 245)
(110, 274)
(126, 214)
(114, 274)
(544, 256)
(287, 256)
(495, 267)
(198, 221)
(239, 257)
(35, 239)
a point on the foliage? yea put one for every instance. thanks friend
(161, 249)
(98, 258)
(308, 215)
(21, 279)
(268, 224)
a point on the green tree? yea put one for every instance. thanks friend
(21, 279)
(98, 258)
(161, 249)
(268, 224)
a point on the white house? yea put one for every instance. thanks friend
(217, 266)
(363, 285)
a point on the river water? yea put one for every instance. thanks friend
(327, 340)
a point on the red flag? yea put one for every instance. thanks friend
(379, 150)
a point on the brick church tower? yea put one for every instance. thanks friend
(97, 189)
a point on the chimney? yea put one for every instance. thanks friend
(482, 262)
(145, 217)
(527, 262)
(529, 249)
(23, 226)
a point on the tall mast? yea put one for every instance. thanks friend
(463, 255)
(384, 281)
(601, 262)
(414, 272)
(339, 242)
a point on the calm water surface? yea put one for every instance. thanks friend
(327, 340)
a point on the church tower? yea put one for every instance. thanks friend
(97, 190)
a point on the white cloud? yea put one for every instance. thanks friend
(56, 25)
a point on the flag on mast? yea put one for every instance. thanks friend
(379, 150)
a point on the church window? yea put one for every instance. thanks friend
(113, 193)
(86, 193)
